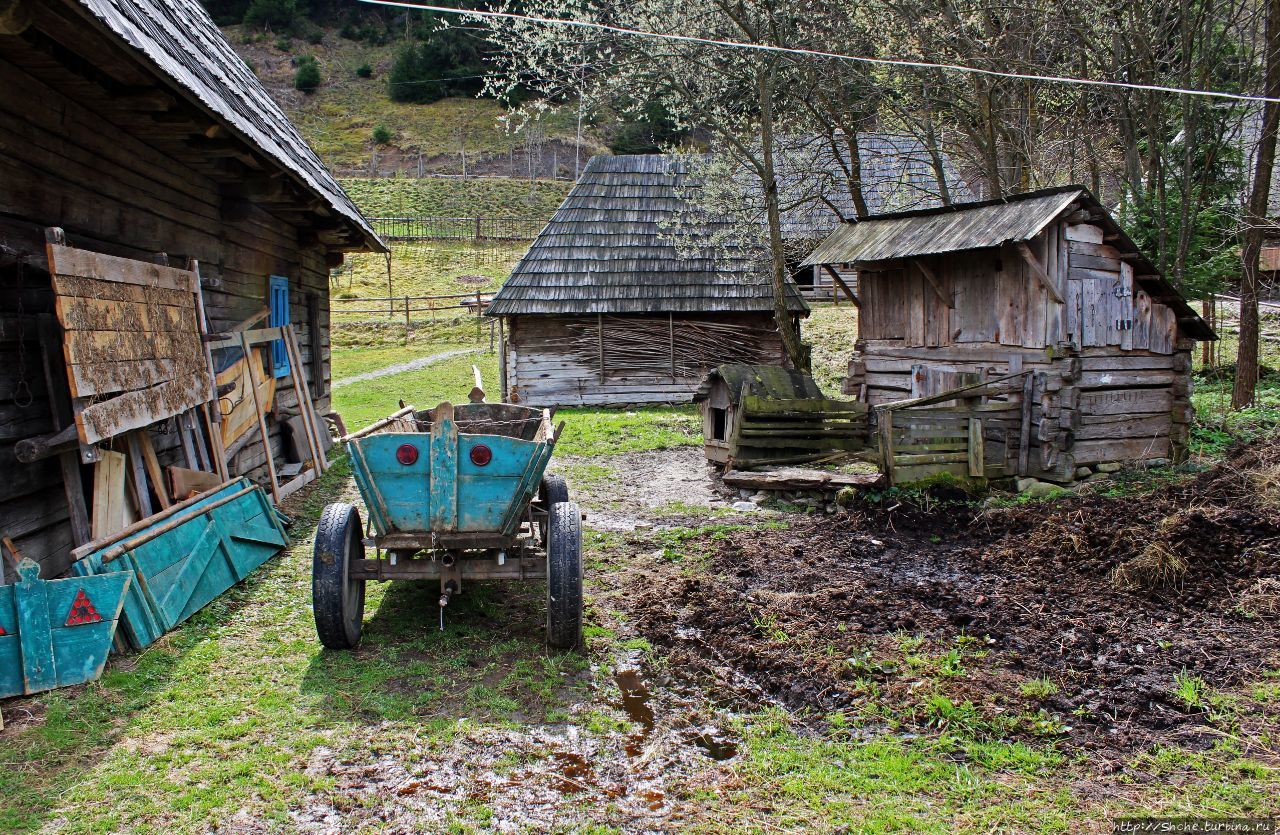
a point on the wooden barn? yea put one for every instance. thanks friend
(139, 152)
(606, 309)
(1045, 285)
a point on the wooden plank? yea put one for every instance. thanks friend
(943, 296)
(111, 510)
(1084, 232)
(262, 427)
(96, 314)
(1125, 401)
(443, 488)
(138, 476)
(91, 379)
(185, 483)
(65, 260)
(1116, 379)
(1024, 433)
(977, 452)
(885, 429)
(136, 409)
(152, 463)
(305, 404)
(1039, 272)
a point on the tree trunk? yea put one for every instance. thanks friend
(1246, 382)
(778, 256)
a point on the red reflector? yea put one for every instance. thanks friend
(407, 454)
(481, 455)
(82, 611)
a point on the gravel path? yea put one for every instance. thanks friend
(411, 365)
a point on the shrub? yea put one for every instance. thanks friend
(381, 135)
(283, 43)
(448, 63)
(307, 78)
(364, 71)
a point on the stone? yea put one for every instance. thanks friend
(1099, 477)
(760, 497)
(1022, 485)
(744, 507)
(1040, 489)
(1109, 467)
(831, 508)
(1083, 472)
(1154, 463)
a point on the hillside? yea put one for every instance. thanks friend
(497, 197)
(442, 137)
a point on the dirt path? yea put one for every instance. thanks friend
(399, 368)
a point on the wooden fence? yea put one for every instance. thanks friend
(429, 307)
(457, 228)
(969, 438)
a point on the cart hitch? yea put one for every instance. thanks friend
(449, 589)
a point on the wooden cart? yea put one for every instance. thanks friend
(454, 494)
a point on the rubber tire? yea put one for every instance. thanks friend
(552, 489)
(338, 602)
(564, 576)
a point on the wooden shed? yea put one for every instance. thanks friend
(135, 129)
(720, 399)
(1045, 283)
(607, 309)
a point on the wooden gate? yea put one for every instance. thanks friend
(981, 436)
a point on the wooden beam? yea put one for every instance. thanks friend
(262, 424)
(933, 282)
(839, 282)
(1034, 263)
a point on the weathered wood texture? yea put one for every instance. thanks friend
(549, 363)
(1112, 375)
(71, 156)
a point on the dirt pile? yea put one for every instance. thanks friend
(1074, 619)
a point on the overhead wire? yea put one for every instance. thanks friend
(817, 53)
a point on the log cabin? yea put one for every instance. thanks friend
(135, 129)
(1045, 283)
(607, 309)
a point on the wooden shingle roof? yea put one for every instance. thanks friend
(611, 247)
(180, 40)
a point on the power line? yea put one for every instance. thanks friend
(862, 59)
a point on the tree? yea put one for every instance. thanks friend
(1246, 382)
(272, 14)
(307, 77)
(446, 61)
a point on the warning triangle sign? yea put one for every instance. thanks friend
(82, 611)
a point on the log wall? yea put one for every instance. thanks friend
(543, 369)
(64, 165)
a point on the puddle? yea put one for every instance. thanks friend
(714, 745)
(573, 774)
(635, 703)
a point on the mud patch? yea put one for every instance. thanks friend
(1015, 611)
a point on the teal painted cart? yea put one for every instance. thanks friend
(453, 494)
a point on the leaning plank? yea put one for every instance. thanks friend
(186, 557)
(85, 264)
(136, 409)
(111, 511)
(56, 633)
(262, 427)
(796, 478)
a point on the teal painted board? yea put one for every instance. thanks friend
(55, 633)
(443, 515)
(184, 562)
(489, 497)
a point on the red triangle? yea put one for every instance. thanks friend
(82, 611)
(2, 632)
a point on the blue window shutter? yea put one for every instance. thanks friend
(279, 302)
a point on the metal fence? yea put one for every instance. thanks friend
(457, 228)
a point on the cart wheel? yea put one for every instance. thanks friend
(552, 489)
(337, 601)
(564, 576)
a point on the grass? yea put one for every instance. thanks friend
(591, 432)
(423, 269)
(222, 714)
(435, 197)
(339, 119)
(449, 379)
(831, 331)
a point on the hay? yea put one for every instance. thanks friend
(1159, 566)
(1261, 600)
